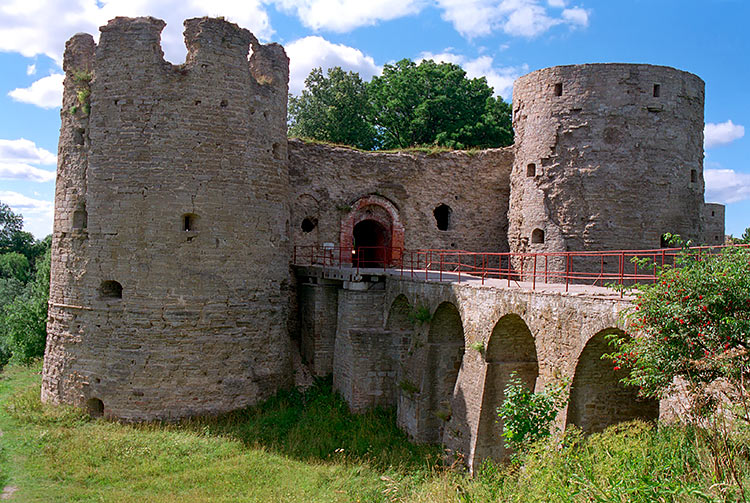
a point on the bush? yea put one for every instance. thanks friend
(527, 416)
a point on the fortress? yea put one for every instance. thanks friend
(180, 201)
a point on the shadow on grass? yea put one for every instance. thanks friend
(314, 425)
(317, 425)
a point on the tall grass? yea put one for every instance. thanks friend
(307, 447)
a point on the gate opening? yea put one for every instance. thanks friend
(370, 244)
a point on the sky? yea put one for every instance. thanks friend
(498, 39)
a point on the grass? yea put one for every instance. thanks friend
(308, 448)
(428, 150)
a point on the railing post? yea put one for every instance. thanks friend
(567, 270)
(484, 266)
(533, 281)
(545, 268)
(508, 270)
(441, 267)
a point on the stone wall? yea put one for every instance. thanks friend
(414, 345)
(713, 217)
(608, 156)
(169, 286)
(330, 182)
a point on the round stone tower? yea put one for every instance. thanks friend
(608, 156)
(170, 254)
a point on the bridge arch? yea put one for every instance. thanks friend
(510, 348)
(597, 397)
(445, 351)
(373, 221)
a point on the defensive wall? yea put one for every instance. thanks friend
(179, 199)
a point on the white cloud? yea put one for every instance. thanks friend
(715, 135)
(37, 213)
(23, 150)
(17, 157)
(16, 171)
(31, 69)
(524, 18)
(42, 26)
(499, 78)
(577, 17)
(312, 52)
(45, 92)
(726, 185)
(345, 15)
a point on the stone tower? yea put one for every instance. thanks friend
(170, 255)
(608, 156)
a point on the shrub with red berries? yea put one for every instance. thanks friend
(692, 323)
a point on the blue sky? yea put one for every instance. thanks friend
(499, 39)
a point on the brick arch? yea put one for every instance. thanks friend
(445, 352)
(386, 214)
(510, 348)
(597, 397)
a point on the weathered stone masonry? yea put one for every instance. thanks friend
(179, 198)
(169, 293)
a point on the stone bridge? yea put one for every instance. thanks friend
(441, 352)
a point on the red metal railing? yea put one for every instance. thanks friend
(577, 267)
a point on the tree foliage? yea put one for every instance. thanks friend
(409, 105)
(24, 289)
(333, 108)
(434, 103)
(692, 324)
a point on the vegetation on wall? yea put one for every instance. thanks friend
(409, 105)
(24, 289)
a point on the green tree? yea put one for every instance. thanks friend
(436, 104)
(11, 224)
(15, 265)
(23, 321)
(745, 239)
(332, 108)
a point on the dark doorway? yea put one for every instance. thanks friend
(370, 244)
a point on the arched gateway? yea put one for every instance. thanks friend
(372, 232)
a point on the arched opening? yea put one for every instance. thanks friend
(537, 236)
(445, 351)
(371, 240)
(510, 349)
(95, 407)
(399, 316)
(597, 397)
(442, 215)
(308, 224)
(389, 234)
(110, 290)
